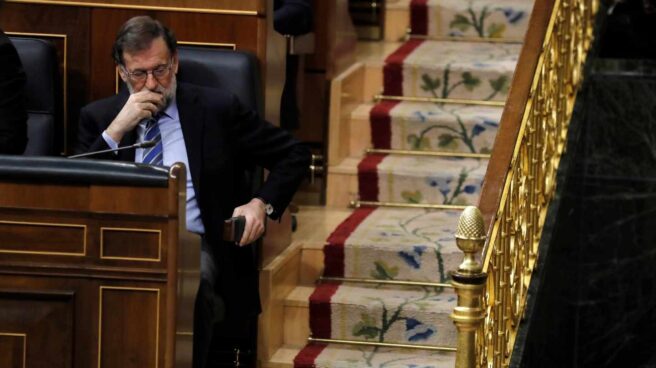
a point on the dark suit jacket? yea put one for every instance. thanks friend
(222, 138)
(13, 117)
(292, 17)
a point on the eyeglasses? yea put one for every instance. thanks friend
(140, 76)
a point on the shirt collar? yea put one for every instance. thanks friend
(171, 110)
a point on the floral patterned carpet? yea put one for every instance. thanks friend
(415, 244)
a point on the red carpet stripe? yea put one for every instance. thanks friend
(381, 124)
(419, 17)
(368, 177)
(320, 312)
(334, 250)
(393, 70)
(307, 356)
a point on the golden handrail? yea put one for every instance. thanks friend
(520, 179)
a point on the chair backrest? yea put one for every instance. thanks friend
(39, 59)
(235, 71)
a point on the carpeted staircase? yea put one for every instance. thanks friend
(468, 81)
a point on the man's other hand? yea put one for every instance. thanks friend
(140, 105)
(255, 214)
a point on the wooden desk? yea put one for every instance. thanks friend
(91, 266)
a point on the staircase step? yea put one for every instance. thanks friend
(432, 126)
(360, 138)
(413, 179)
(297, 315)
(394, 244)
(496, 19)
(283, 357)
(342, 183)
(446, 69)
(345, 356)
(315, 224)
(408, 315)
(373, 54)
(299, 297)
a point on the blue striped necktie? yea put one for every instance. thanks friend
(154, 154)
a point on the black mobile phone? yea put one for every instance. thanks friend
(233, 229)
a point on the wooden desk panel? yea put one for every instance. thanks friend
(37, 327)
(91, 284)
(209, 6)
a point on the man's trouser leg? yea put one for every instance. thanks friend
(209, 307)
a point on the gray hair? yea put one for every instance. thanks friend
(137, 34)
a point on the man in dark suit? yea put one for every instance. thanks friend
(217, 138)
(13, 118)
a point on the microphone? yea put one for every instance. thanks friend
(146, 144)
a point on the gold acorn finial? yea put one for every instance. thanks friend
(471, 225)
(470, 238)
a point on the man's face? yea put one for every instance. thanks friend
(157, 56)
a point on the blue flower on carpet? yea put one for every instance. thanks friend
(489, 122)
(421, 366)
(470, 189)
(481, 65)
(420, 115)
(413, 258)
(417, 331)
(478, 129)
(512, 15)
(442, 184)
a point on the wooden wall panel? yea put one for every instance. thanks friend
(137, 201)
(13, 348)
(190, 27)
(61, 319)
(49, 197)
(207, 5)
(42, 238)
(99, 243)
(45, 321)
(129, 320)
(137, 245)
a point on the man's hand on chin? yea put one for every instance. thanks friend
(140, 105)
(255, 214)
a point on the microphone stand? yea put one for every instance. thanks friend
(146, 144)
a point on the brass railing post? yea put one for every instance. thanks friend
(469, 283)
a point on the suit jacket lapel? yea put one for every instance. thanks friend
(191, 120)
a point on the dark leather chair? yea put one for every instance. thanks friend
(42, 93)
(235, 71)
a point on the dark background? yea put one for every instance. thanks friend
(592, 302)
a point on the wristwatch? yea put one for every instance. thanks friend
(268, 208)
